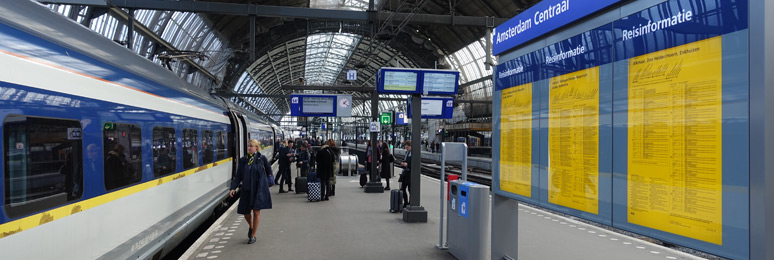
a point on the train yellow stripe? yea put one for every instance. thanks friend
(29, 222)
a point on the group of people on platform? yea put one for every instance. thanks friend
(254, 173)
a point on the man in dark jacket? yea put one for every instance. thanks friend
(285, 157)
(325, 170)
(405, 175)
(303, 160)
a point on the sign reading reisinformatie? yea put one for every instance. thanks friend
(542, 18)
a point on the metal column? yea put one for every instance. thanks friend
(415, 212)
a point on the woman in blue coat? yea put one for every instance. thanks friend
(253, 172)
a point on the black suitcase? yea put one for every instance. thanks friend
(396, 201)
(300, 184)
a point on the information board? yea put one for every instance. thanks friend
(516, 145)
(440, 82)
(675, 140)
(573, 140)
(642, 124)
(399, 81)
(417, 81)
(434, 107)
(318, 105)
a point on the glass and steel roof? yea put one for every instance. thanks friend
(319, 58)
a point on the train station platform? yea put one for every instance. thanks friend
(357, 225)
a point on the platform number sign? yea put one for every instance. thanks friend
(294, 100)
(351, 75)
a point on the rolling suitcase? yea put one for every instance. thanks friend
(313, 183)
(396, 201)
(301, 186)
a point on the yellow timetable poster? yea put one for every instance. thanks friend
(516, 140)
(573, 140)
(675, 113)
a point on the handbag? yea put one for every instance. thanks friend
(271, 179)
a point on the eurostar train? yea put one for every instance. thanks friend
(106, 155)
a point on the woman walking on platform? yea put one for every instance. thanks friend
(253, 171)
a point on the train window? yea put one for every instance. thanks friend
(190, 154)
(232, 142)
(164, 151)
(220, 145)
(207, 147)
(43, 163)
(123, 154)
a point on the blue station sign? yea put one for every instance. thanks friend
(542, 18)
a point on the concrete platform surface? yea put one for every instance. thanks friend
(357, 225)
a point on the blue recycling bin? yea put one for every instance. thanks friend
(469, 229)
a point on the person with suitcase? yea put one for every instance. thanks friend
(302, 160)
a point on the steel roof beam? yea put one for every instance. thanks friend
(283, 11)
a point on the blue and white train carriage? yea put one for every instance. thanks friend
(105, 154)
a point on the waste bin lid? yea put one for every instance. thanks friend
(471, 184)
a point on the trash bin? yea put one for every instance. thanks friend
(469, 229)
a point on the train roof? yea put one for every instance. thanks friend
(59, 30)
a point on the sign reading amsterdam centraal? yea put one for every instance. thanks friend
(542, 18)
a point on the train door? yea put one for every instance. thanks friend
(237, 138)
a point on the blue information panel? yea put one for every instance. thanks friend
(403, 119)
(440, 82)
(682, 125)
(313, 105)
(417, 81)
(642, 124)
(396, 80)
(542, 18)
(435, 107)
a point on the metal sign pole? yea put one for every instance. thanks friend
(441, 244)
